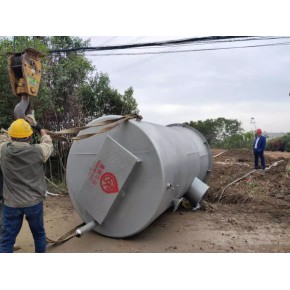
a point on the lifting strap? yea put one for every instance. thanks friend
(112, 124)
(70, 234)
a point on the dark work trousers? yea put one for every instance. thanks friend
(1, 208)
(1, 202)
(12, 223)
(261, 156)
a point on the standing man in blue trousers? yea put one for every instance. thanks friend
(258, 149)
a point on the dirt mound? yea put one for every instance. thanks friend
(234, 180)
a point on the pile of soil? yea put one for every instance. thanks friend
(269, 189)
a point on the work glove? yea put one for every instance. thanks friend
(31, 120)
(37, 127)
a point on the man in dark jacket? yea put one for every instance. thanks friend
(258, 149)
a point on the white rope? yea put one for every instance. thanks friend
(220, 154)
(50, 193)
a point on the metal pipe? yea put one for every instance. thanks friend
(86, 228)
(196, 191)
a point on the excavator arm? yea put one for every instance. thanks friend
(24, 70)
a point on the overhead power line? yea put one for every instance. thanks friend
(160, 53)
(147, 44)
(135, 39)
(191, 50)
(109, 40)
(169, 50)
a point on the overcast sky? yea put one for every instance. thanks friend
(181, 87)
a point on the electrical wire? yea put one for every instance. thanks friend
(144, 60)
(191, 50)
(172, 50)
(148, 44)
(195, 43)
(109, 40)
(136, 39)
(175, 44)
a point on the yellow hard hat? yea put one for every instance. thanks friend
(20, 129)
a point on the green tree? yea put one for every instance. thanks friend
(208, 128)
(129, 103)
(7, 99)
(279, 144)
(227, 128)
(217, 131)
(64, 73)
(71, 92)
(238, 141)
(98, 98)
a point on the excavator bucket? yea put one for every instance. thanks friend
(24, 71)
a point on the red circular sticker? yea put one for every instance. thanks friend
(109, 183)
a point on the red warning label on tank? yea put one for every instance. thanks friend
(109, 183)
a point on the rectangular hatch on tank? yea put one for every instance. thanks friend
(105, 179)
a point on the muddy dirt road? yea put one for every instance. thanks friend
(251, 216)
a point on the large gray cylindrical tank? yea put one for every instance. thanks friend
(125, 178)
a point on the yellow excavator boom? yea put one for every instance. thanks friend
(24, 70)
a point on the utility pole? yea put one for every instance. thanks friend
(253, 124)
